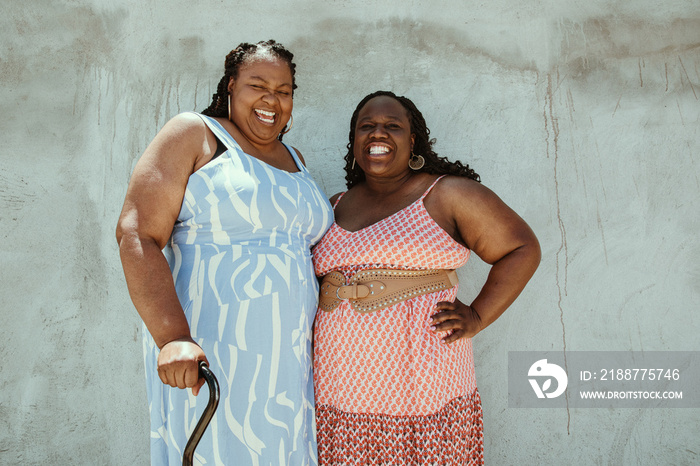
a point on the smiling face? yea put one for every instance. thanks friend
(383, 138)
(261, 98)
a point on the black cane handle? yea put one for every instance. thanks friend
(208, 413)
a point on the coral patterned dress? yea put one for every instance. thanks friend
(388, 391)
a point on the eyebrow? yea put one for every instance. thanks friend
(259, 78)
(389, 117)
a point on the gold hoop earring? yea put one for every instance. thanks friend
(229, 106)
(416, 162)
(291, 118)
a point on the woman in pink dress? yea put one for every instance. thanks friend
(394, 371)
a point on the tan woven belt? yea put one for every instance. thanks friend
(375, 289)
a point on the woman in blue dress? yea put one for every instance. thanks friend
(215, 238)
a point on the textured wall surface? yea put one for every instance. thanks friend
(583, 116)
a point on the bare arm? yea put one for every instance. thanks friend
(499, 237)
(151, 207)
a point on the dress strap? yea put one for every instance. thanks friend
(338, 200)
(220, 132)
(427, 191)
(231, 144)
(295, 157)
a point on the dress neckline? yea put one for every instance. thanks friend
(420, 199)
(421, 206)
(425, 212)
(422, 196)
(231, 143)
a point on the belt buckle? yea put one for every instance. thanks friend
(355, 292)
(327, 302)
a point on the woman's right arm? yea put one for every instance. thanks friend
(152, 204)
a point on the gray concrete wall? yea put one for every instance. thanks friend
(583, 116)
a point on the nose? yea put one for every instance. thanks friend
(378, 132)
(269, 96)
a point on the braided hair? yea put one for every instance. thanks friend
(232, 65)
(423, 145)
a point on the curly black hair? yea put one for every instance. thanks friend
(232, 65)
(423, 145)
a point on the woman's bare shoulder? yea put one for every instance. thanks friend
(461, 189)
(186, 124)
(334, 198)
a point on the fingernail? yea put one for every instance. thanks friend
(432, 327)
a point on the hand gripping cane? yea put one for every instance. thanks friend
(213, 384)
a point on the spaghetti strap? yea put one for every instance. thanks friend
(338, 200)
(427, 191)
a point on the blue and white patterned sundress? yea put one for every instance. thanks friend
(241, 262)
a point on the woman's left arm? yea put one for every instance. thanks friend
(495, 233)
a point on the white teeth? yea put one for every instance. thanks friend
(375, 150)
(265, 116)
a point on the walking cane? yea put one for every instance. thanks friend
(213, 384)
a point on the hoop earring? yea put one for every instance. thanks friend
(353, 164)
(416, 162)
(291, 118)
(229, 106)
